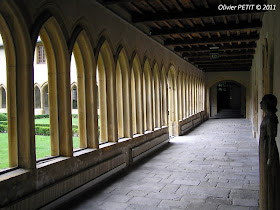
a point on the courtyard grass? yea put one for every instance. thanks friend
(43, 148)
(4, 153)
(42, 143)
(46, 121)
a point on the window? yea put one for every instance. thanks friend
(41, 55)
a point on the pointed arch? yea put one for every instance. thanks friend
(179, 94)
(59, 93)
(107, 94)
(3, 97)
(137, 95)
(191, 95)
(74, 96)
(195, 95)
(86, 89)
(187, 94)
(157, 96)
(164, 91)
(18, 53)
(172, 100)
(148, 96)
(37, 96)
(183, 95)
(123, 94)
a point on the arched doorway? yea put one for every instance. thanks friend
(227, 100)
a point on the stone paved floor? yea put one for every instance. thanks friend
(213, 167)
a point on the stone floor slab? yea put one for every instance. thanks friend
(215, 166)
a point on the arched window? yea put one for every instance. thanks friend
(133, 102)
(8, 128)
(37, 97)
(123, 96)
(102, 105)
(137, 97)
(183, 96)
(148, 97)
(56, 93)
(45, 96)
(78, 104)
(191, 95)
(3, 98)
(187, 97)
(4, 152)
(157, 97)
(164, 90)
(107, 95)
(172, 101)
(84, 93)
(74, 97)
(179, 95)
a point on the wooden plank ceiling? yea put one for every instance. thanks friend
(211, 39)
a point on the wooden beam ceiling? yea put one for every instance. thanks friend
(220, 54)
(195, 30)
(212, 40)
(220, 48)
(206, 29)
(191, 14)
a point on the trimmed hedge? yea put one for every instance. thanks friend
(40, 116)
(41, 130)
(42, 125)
(44, 130)
(3, 117)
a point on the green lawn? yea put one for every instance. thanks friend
(43, 145)
(4, 154)
(43, 148)
(75, 121)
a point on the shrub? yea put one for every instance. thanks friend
(75, 132)
(75, 127)
(43, 125)
(42, 130)
(3, 117)
(3, 128)
(40, 116)
(3, 122)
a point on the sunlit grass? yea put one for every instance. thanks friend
(4, 153)
(42, 143)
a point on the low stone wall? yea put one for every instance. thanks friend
(61, 178)
(187, 124)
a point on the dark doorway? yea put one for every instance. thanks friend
(227, 100)
(228, 96)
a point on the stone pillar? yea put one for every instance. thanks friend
(25, 119)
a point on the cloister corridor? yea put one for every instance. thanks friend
(215, 166)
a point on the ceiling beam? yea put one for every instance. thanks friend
(233, 58)
(220, 54)
(221, 48)
(225, 66)
(191, 14)
(224, 63)
(217, 40)
(226, 69)
(206, 29)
